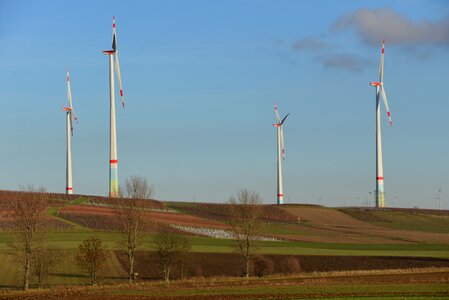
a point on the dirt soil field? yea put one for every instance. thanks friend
(154, 216)
(231, 264)
(220, 211)
(405, 283)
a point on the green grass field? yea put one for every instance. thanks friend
(417, 222)
(70, 239)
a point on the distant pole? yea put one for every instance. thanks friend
(440, 195)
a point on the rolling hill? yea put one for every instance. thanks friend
(320, 238)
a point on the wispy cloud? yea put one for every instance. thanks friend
(373, 25)
(349, 62)
(309, 43)
(328, 55)
(416, 38)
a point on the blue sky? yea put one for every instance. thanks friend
(200, 78)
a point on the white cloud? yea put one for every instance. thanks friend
(374, 25)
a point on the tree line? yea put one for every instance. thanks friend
(171, 250)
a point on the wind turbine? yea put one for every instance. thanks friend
(280, 153)
(380, 193)
(70, 115)
(113, 161)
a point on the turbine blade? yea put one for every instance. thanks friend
(278, 119)
(119, 78)
(384, 97)
(114, 35)
(282, 142)
(283, 120)
(74, 115)
(69, 95)
(71, 123)
(381, 66)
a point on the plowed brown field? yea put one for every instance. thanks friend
(154, 216)
(406, 283)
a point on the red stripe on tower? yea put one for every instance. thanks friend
(113, 161)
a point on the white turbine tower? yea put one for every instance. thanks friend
(380, 193)
(280, 153)
(70, 115)
(113, 161)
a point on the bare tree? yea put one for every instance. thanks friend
(130, 219)
(44, 261)
(91, 257)
(245, 220)
(183, 258)
(130, 216)
(170, 249)
(29, 212)
(136, 187)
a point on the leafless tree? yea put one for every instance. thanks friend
(130, 219)
(183, 258)
(29, 213)
(43, 263)
(245, 220)
(170, 249)
(136, 187)
(91, 257)
(130, 216)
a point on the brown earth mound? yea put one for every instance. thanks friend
(220, 211)
(232, 264)
(106, 217)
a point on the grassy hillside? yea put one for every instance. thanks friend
(346, 239)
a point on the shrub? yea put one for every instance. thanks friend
(290, 265)
(263, 266)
